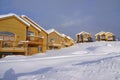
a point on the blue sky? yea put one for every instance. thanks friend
(69, 16)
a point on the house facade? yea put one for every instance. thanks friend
(100, 36)
(40, 32)
(19, 37)
(55, 39)
(105, 36)
(83, 37)
(109, 36)
(12, 32)
(67, 41)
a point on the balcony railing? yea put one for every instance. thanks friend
(11, 46)
(54, 44)
(34, 38)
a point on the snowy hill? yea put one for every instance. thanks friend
(87, 61)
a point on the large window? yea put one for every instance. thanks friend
(7, 36)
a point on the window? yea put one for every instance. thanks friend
(110, 37)
(7, 36)
(103, 36)
(30, 33)
(52, 40)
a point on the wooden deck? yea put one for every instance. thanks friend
(14, 47)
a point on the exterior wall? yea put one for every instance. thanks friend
(71, 42)
(77, 38)
(54, 36)
(13, 25)
(63, 42)
(110, 37)
(97, 37)
(45, 45)
(83, 38)
(33, 50)
(105, 37)
(67, 42)
(41, 33)
(57, 39)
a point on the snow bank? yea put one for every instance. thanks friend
(84, 61)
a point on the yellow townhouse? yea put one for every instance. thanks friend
(105, 36)
(55, 39)
(41, 32)
(19, 37)
(100, 36)
(67, 41)
(12, 33)
(109, 36)
(83, 37)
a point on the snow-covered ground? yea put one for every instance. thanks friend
(84, 61)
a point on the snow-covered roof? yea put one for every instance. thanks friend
(31, 23)
(63, 35)
(12, 14)
(30, 20)
(69, 37)
(100, 33)
(53, 30)
(83, 32)
(50, 31)
(109, 33)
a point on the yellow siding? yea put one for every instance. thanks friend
(33, 50)
(86, 37)
(104, 36)
(57, 38)
(109, 37)
(44, 34)
(37, 32)
(15, 26)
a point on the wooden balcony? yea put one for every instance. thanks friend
(67, 44)
(35, 40)
(55, 44)
(8, 47)
(11, 46)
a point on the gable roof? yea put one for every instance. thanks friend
(83, 32)
(109, 33)
(100, 33)
(33, 23)
(63, 35)
(14, 15)
(53, 30)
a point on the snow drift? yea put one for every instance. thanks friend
(84, 61)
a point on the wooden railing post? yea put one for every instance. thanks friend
(26, 48)
(0, 44)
